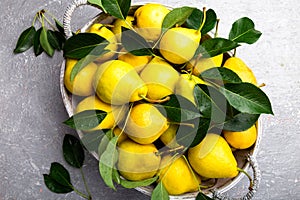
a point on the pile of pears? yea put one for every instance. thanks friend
(127, 87)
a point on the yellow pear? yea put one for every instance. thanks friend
(200, 65)
(242, 139)
(138, 62)
(178, 45)
(213, 158)
(169, 136)
(241, 69)
(177, 177)
(92, 103)
(116, 82)
(104, 32)
(145, 123)
(160, 79)
(119, 23)
(137, 161)
(148, 20)
(185, 86)
(82, 85)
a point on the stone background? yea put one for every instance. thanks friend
(31, 109)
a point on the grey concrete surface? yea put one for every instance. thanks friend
(31, 109)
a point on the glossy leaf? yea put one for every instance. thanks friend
(117, 8)
(61, 39)
(107, 162)
(215, 46)
(195, 19)
(160, 192)
(202, 196)
(211, 103)
(243, 31)
(177, 16)
(134, 43)
(53, 40)
(58, 180)
(45, 42)
(92, 140)
(59, 26)
(116, 176)
(178, 109)
(25, 40)
(38, 49)
(240, 122)
(73, 151)
(97, 3)
(220, 75)
(82, 44)
(86, 120)
(104, 142)
(134, 184)
(247, 98)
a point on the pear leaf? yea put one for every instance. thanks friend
(38, 49)
(134, 184)
(160, 192)
(104, 141)
(220, 75)
(240, 122)
(45, 42)
(86, 120)
(247, 98)
(53, 40)
(243, 31)
(107, 162)
(92, 140)
(202, 196)
(25, 40)
(73, 151)
(135, 44)
(116, 8)
(59, 26)
(215, 46)
(177, 16)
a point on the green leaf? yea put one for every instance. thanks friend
(107, 162)
(178, 109)
(59, 26)
(92, 140)
(243, 31)
(191, 136)
(134, 43)
(80, 45)
(58, 180)
(116, 176)
(160, 192)
(134, 184)
(240, 122)
(45, 42)
(202, 196)
(97, 3)
(220, 75)
(211, 103)
(38, 49)
(61, 39)
(86, 120)
(117, 8)
(195, 19)
(215, 46)
(53, 40)
(247, 98)
(104, 142)
(25, 40)
(177, 16)
(73, 151)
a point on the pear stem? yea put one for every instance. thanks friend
(248, 176)
(217, 28)
(203, 21)
(167, 98)
(262, 85)
(234, 53)
(183, 124)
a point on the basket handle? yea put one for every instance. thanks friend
(256, 180)
(68, 15)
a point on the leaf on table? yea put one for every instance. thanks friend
(45, 42)
(53, 40)
(92, 140)
(117, 8)
(135, 44)
(80, 45)
(58, 180)
(73, 151)
(59, 26)
(177, 16)
(160, 192)
(86, 120)
(247, 98)
(25, 41)
(107, 162)
(243, 31)
(215, 46)
(37, 47)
